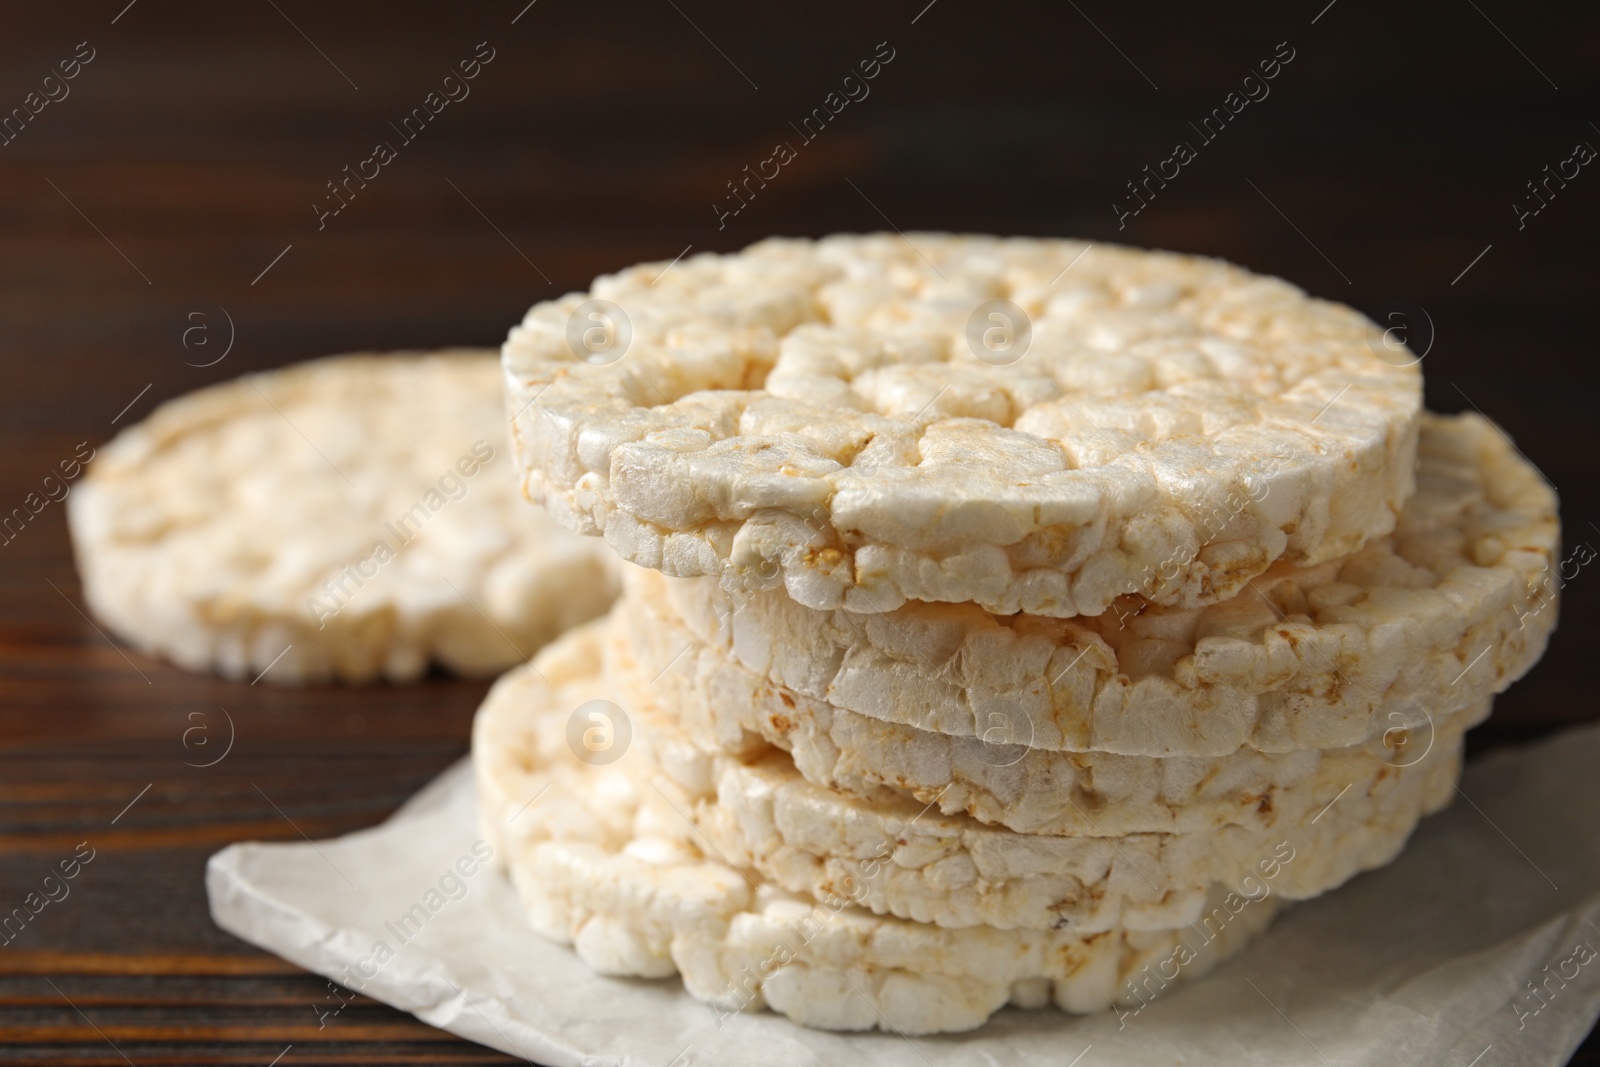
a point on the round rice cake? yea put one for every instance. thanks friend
(1451, 608)
(895, 856)
(1029, 425)
(636, 896)
(721, 706)
(349, 518)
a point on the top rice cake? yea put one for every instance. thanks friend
(1030, 425)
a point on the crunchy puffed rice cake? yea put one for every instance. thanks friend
(1451, 608)
(635, 896)
(833, 413)
(758, 812)
(350, 518)
(721, 706)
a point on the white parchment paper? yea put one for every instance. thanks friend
(1477, 948)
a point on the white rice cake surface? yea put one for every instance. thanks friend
(1451, 608)
(636, 897)
(723, 707)
(351, 519)
(841, 416)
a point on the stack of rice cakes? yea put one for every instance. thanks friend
(962, 669)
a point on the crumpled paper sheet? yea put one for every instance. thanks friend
(1426, 962)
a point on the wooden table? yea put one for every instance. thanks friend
(172, 188)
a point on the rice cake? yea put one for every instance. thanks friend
(860, 419)
(896, 857)
(1451, 608)
(636, 897)
(722, 707)
(906, 860)
(350, 519)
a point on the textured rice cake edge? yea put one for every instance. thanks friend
(637, 898)
(722, 706)
(1453, 607)
(896, 856)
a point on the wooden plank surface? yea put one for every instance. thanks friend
(173, 187)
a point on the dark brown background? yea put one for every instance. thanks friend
(200, 135)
